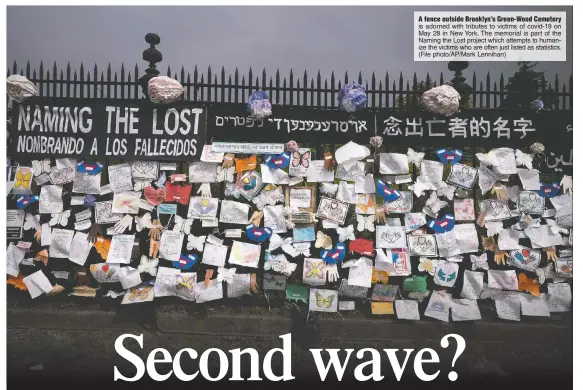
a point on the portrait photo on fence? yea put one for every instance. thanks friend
(309, 193)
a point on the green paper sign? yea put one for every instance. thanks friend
(415, 283)
(297, 292)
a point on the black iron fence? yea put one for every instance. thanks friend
(285, 89)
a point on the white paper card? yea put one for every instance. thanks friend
(473, 285)
(120, 177)
(234, 213)
(171, 245)
(145, 170)
(393, 164)
(530, 179)
(361, 274)
(300, 198)
(508, 307)
(273, 217)
(164, 285)
(120, 249)
(240, 286)
(534, 306)
(61, 243)
(316, 172)
(407, 309)
(215, 255)
(465, 310)
(365, 184)
(503, 280)
(211, 293)
(391, 237)
(46, 235)
(87, 184)
(14, 256)
(37, 284)
(127, 202)
(245, 254)
(438, 306)
(50, 199)
(300, 162)
(559, 297)
(80, 248)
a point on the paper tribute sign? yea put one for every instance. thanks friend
(120, 177)
(393, 164)
(14, 256)
(531, 203)
(402, 205)
(464, 209)
(234, 213)
(438, 306)
(37, 284)
(138, 294)
(495, 210)
(534, 306)
(50, 199)
(165, 278)
(360, 273)
(127, 202)
(332, 210)
(300, 162)
(202, 172)
(323, 300)
(508, 307)
(431, 172)
(407, 309)
(503, 280)
(184, 286)
(422, 245)
(274, 282)
(347, 290)
(171, 245)
(80, 248)
(104, 214)
(473, 285)
(145, 170)
(215, 255)
(391, 237)
(211, 293)
(105, 272)
(240, 286)
(384, 292)
(462, 176)
(350, 173)
(245, 254)
(316, 172)
(465, 310)
(273, 217)
(314, 272)
(87, 184)
(559, 297)
(15, 222)
(61, 240)
(203, 208)
(300, 198)
(120, 249)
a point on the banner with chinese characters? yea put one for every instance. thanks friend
(100, 128)
(231, 122)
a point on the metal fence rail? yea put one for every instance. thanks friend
(291, 89)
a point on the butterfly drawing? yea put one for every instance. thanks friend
(41, 167)
(301, 159)
(365, 223)
(324, 302)
(433, 205)
(445, 277)
(185, 282)
(415, 157)
(143, 222)
(23, 180)
(60, 218)
(322, 241)
(196, 243)
(148, 265)
(182, 225)
(545, 273)
(346, 233)
(225, 174)
(314, 269)
(31, 222)
(272, 280)
(139, 294)
(480, 262)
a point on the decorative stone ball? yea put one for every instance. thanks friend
(20, 88)
(442, 100)
(164, 90)
(537, 148)
(352, 97)
(259, 105)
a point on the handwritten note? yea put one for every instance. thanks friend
(120, 177)
(61, 243)
(51, 199)
(37, 284)
(80, 248)
(14, 256)
(120, 250)
(14, 223)
(171, 245)
(300, 198)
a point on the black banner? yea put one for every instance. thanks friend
(116, 129)
(231, 122)
(477, 127)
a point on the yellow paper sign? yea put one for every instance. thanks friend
(380, 276)
(382, 308)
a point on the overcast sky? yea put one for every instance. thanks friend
(338, 39)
